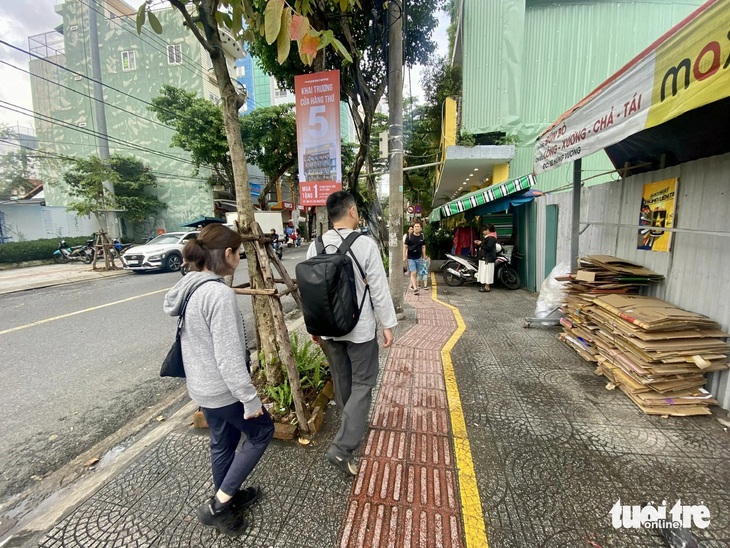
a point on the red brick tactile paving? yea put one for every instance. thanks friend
(406, 491)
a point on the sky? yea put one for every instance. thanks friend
(20, 19)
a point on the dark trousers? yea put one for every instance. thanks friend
(231, 468)
(354, 369)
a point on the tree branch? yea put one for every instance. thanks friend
(177, 4)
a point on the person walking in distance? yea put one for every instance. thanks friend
(414, 250)
(217, 369)
(353, 357)
(487, 254)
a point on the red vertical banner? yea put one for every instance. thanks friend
(318, 136)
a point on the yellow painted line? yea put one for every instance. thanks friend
(475, 532)
(62, 316)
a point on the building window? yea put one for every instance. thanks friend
(129, 60)
(174, 54)
(279, 93)
(213, 98)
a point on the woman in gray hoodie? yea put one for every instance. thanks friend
(217, 370)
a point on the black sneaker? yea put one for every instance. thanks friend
(227, 521)
(245, 498)
(347, 465)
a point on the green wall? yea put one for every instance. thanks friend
(527, 62)
(187, 196)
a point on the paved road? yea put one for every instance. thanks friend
(70, 382)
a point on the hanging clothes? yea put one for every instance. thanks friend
(464, 240)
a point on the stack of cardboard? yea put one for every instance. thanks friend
(597, 275)
(654, 352)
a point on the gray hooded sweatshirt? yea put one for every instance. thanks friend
(213, 343)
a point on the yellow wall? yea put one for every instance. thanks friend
(448, 133)
(500, 174)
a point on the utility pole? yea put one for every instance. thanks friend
(102, 144)
(395, 140)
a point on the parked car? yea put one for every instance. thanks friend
(161, 253)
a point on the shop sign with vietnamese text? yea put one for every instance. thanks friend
(318, 136)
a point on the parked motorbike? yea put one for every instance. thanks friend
(65, 253)
(459, 269)
(119, 246)
(115, 251)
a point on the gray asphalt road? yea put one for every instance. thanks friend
(70, 382)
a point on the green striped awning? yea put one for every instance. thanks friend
(486, 195)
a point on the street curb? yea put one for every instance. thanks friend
(60, 501)
(42, 285)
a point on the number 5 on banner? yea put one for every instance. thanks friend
(316, 118)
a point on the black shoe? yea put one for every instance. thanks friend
(482, 290)
(227, 521)
(347, 465)
(245, 498)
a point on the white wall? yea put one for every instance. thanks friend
(697, 269)
(28, 222)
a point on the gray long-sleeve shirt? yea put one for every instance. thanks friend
(366, 251)
(213, 341)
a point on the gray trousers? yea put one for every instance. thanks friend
(354, 369)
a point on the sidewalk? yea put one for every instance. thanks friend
(35, 277)
(481, 431)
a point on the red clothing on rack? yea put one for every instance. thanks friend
(464, 240)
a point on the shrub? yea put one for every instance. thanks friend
(438, 242)
(313, 370)
(35, 250)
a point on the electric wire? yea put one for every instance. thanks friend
(112, 105)
(68, 125)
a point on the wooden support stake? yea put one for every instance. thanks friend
(286, 279)
(286, 354)
(260, 292)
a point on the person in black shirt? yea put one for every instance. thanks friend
(414, 250)
(487, 257)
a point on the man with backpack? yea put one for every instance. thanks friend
(344, 291)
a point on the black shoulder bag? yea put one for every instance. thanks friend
(172, 365)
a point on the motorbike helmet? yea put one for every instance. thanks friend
(498, 247)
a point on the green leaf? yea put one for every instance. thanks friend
(326, 39)
(155, 23)
(343, 5)
(141, 17)
(237, 24)
(272, 19)
(283, 41)
(339, 46)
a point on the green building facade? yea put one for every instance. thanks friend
(134, 69)
(525, 62)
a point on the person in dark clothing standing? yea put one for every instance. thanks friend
(414, 250)
(487, 254)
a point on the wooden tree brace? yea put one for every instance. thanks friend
(261, 292)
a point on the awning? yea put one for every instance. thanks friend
(503, 204)
(482, 197)
(686, 69)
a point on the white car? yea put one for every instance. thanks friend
(161, 253)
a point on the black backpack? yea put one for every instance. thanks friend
(327, 286)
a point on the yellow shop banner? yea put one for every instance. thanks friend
(692, 67)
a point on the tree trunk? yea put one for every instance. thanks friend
(273, 333)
